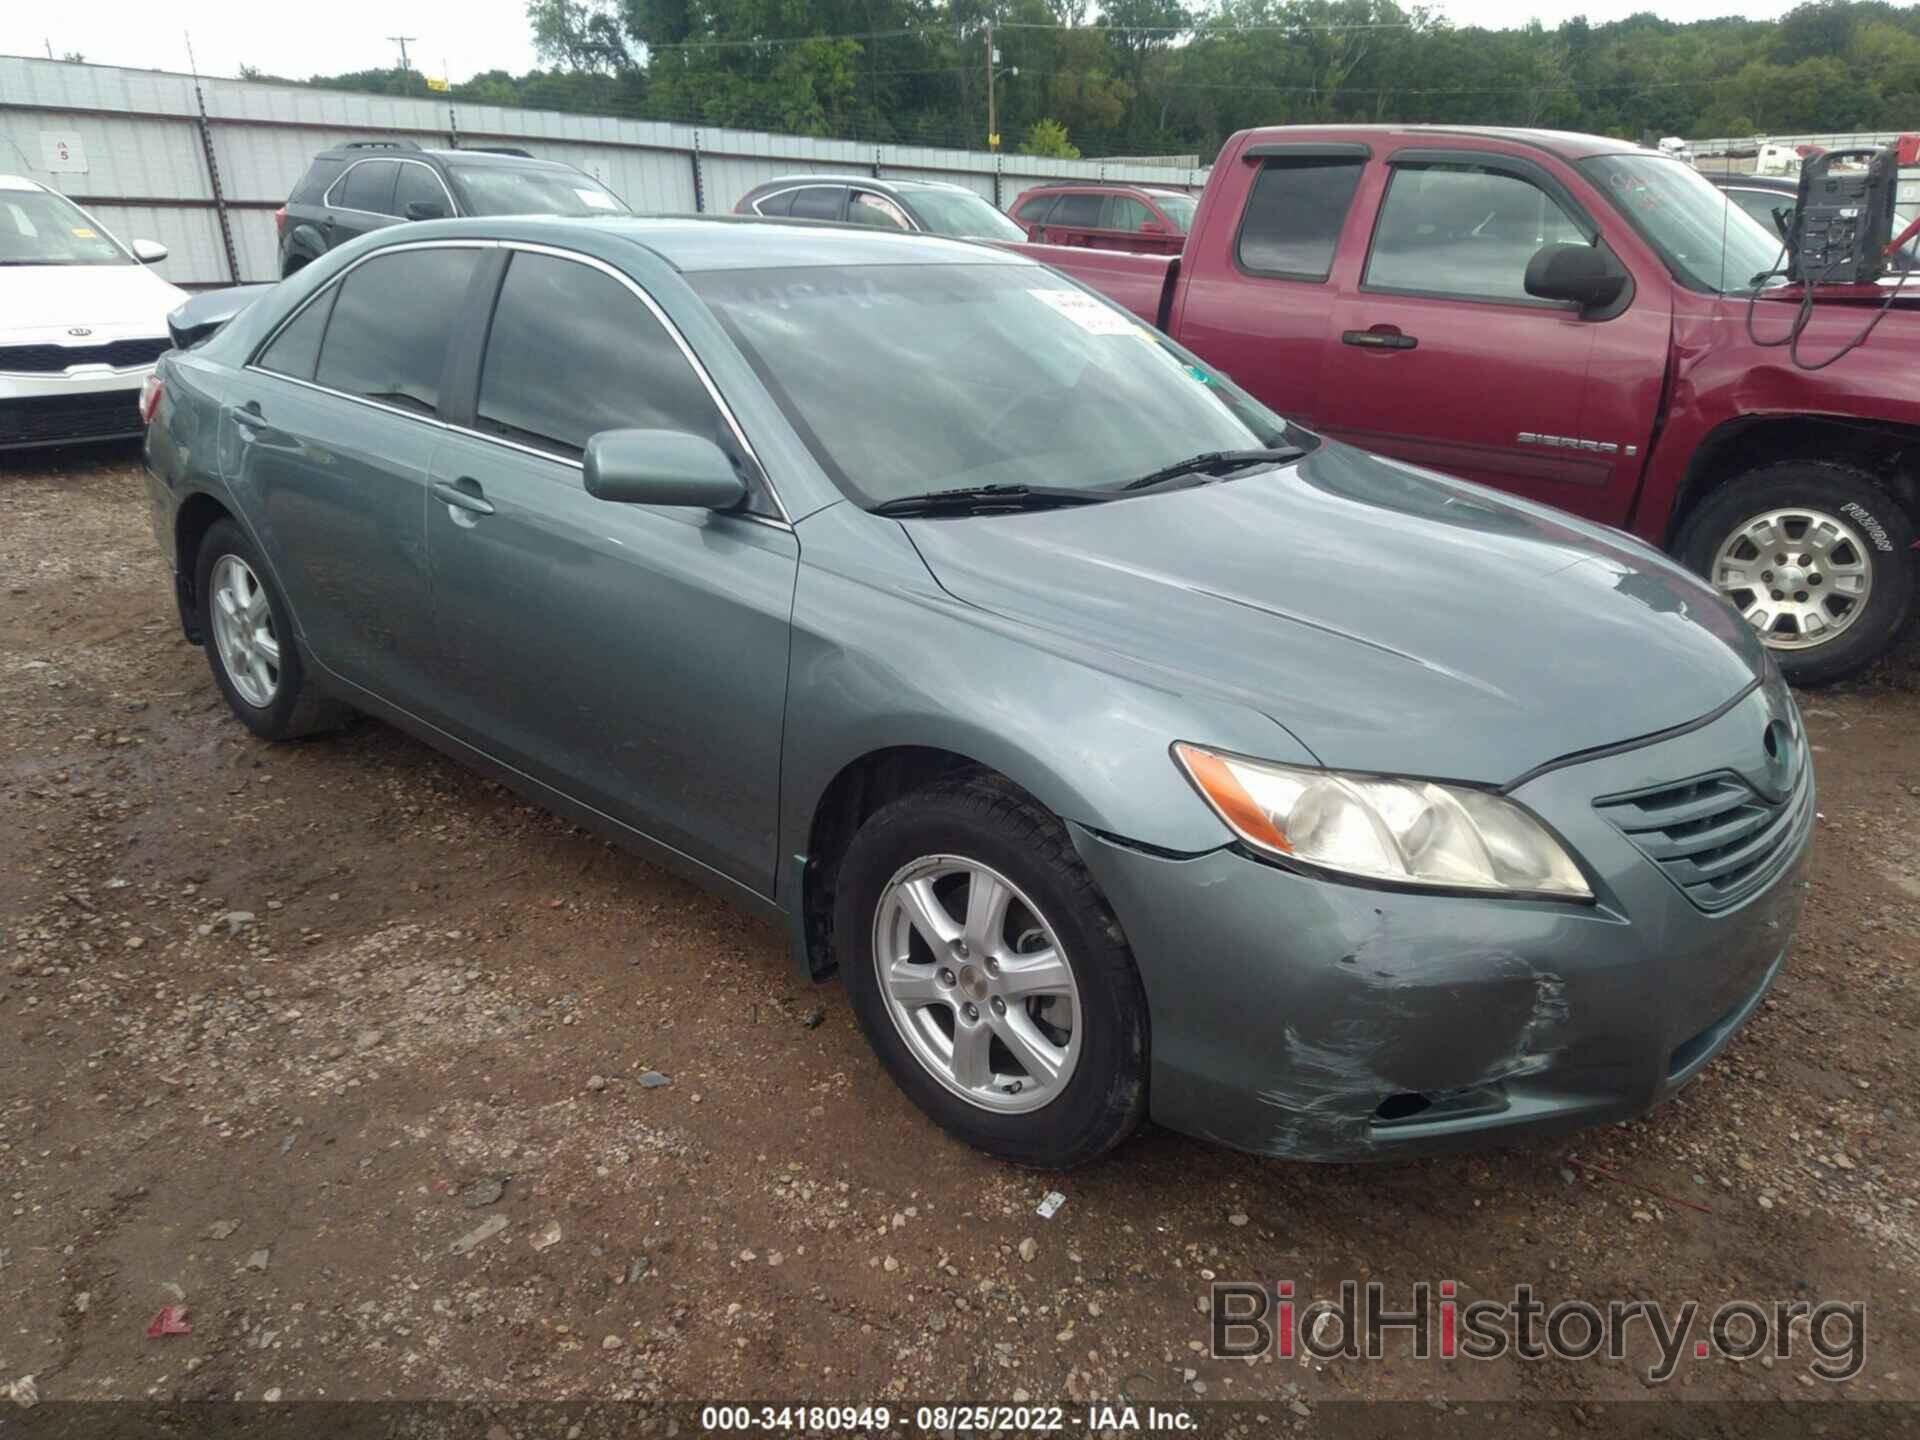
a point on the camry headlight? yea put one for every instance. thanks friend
(1409, 832)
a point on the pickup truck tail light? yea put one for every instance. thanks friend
(280, 221)
(150, 392)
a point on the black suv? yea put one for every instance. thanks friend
(365, 184)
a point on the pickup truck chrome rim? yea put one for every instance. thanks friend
(243, 631)
(1800, 577)
(977, 984)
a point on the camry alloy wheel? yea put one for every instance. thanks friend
(977, 984)
(243, 631)
(1800, 577)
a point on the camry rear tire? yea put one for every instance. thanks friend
(249, 641)
(1815, 555)
(990, 975)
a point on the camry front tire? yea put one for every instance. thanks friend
(990, 975)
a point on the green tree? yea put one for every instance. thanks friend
(1049, 138)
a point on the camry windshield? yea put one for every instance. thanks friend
(509, 190)
(1177, 208)
(905, 379)
(961, 213)
(1708, 242)
(38, 227)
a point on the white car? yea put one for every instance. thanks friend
(82, 319)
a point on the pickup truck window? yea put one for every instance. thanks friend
(1707, 243)
(1294, 216)
(1463, 231)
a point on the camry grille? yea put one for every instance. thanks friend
(1715, 836)
(53, 359)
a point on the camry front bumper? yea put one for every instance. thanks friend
(1301, 1016)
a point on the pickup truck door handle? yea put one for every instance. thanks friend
(463, 494)
(1380, 337)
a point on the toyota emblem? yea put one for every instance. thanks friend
(78, 330)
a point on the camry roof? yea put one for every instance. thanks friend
(734, 242)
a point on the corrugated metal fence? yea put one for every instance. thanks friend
(201, 165)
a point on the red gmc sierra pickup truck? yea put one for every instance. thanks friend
(1577, 320)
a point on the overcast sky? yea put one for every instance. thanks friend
(465, 36)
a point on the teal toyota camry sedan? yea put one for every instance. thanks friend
(1126, 749)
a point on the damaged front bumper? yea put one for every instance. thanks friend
(1306, 1017)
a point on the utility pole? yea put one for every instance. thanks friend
(993, 135)
(406, 67)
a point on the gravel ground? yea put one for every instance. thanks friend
(357, 1057)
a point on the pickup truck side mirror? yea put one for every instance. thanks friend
(660, 467)
(1585, 274)
(426, 210)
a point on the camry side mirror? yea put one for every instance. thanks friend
(426, 210)
(1585, 274)
(661, 467)
(149, 252)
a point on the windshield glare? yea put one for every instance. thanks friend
(1177, 208)
(1707, 241)
(962, 214)
(904, 379)
(507, 190)
(38, 227)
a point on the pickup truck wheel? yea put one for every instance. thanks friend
(1815, 555)
(990, 976)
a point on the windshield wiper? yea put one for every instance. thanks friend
(991, 497)
(1214, 460)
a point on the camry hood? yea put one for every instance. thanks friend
(1391, 619)
(116, 302)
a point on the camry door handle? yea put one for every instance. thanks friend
(463, 494)
(1380, 337)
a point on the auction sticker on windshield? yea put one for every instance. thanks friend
(1086, 312)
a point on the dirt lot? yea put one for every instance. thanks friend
(280, 1025)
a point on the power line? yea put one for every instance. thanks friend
(940, 33)
(1204, 30)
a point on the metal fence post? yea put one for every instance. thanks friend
(213, 177)
(998, 161)
(699, 183)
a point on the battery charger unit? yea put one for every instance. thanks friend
(1844, 218)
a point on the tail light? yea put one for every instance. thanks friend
(280, 221)
(150, 392)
